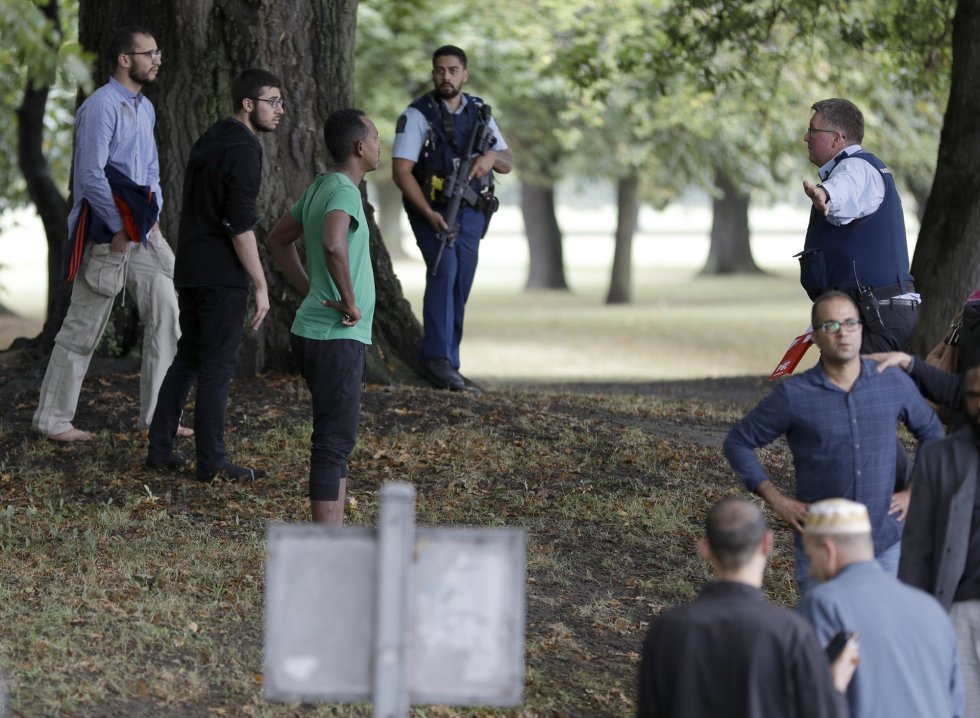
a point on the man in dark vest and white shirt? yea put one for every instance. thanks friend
(856, 237)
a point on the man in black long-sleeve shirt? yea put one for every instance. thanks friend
(216, 258)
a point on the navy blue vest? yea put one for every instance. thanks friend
(873, 247)
(441, 148)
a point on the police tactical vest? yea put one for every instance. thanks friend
(873, 248)
(447, 138)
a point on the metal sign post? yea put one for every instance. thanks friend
(401, 616)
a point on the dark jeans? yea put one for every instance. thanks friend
(333, 370)
(211, 325)
(444, 301)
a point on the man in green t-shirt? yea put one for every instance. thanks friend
(333, 323)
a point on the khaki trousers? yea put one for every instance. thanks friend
(147, 272)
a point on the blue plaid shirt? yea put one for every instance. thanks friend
(843, 442)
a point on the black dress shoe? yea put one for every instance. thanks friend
(444, 375)
(175, 461)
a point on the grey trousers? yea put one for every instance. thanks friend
(147, 272)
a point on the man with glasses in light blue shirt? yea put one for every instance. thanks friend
(839, 419)
(109, 250)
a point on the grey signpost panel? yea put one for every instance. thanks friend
(353, 614)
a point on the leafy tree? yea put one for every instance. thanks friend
(310, 47)
(41, 63)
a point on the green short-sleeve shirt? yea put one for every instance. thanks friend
(331, 192)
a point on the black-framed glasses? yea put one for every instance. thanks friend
(153, 54)
(274, 102)
(848, 325)
(810, 130)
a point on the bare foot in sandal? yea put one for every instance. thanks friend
(72, 434)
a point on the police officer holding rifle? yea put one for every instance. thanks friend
(447, 147)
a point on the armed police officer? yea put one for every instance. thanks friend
(440, 134)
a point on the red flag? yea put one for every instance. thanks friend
(793, 355)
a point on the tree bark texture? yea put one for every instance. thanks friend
(390, 213)
(546, 268)
(627, 214)
(44, 192)
(730, 251)
(946, 264)
(310, 47)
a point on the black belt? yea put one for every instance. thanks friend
(893, 290)
(895, 302)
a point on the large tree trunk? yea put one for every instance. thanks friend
(547, 266)
(628, 211)
(44, 193)
(730, 251)
(310, 46)
(946, 264)
(390, 214)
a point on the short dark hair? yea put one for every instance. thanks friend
(249, 83)
(734, 529)
(842, 115)
(449, 50)
(121, 41)
(343, 130)
(826, 297)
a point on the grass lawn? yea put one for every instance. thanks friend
(127, 592)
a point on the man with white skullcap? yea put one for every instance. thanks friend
(909, 665)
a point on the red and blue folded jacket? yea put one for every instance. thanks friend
(137, 205)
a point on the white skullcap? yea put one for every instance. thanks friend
(837, 516)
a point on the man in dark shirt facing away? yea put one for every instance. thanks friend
(729, 652)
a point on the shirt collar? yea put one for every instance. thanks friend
(122, 90)
(826, 169)
(819, 376)
(459, 109)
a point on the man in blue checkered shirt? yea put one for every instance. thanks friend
(839, 419)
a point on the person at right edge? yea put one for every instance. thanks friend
(431, 138)
(856, 240)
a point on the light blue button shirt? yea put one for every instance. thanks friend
(113, 126)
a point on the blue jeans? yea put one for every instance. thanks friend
(887, 559)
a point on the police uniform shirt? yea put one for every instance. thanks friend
(412, 128)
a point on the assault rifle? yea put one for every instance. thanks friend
(457, 187)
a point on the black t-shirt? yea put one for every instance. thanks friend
(220, 188)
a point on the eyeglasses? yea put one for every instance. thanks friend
(848, 325)
(810, 130)
(274, 102)
(153, 54)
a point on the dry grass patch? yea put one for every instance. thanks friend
(130, 592)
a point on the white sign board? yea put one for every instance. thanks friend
(466, 615)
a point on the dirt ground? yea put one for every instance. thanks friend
(518, 413)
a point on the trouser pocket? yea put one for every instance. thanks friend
(164, 254)
(105, 270)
